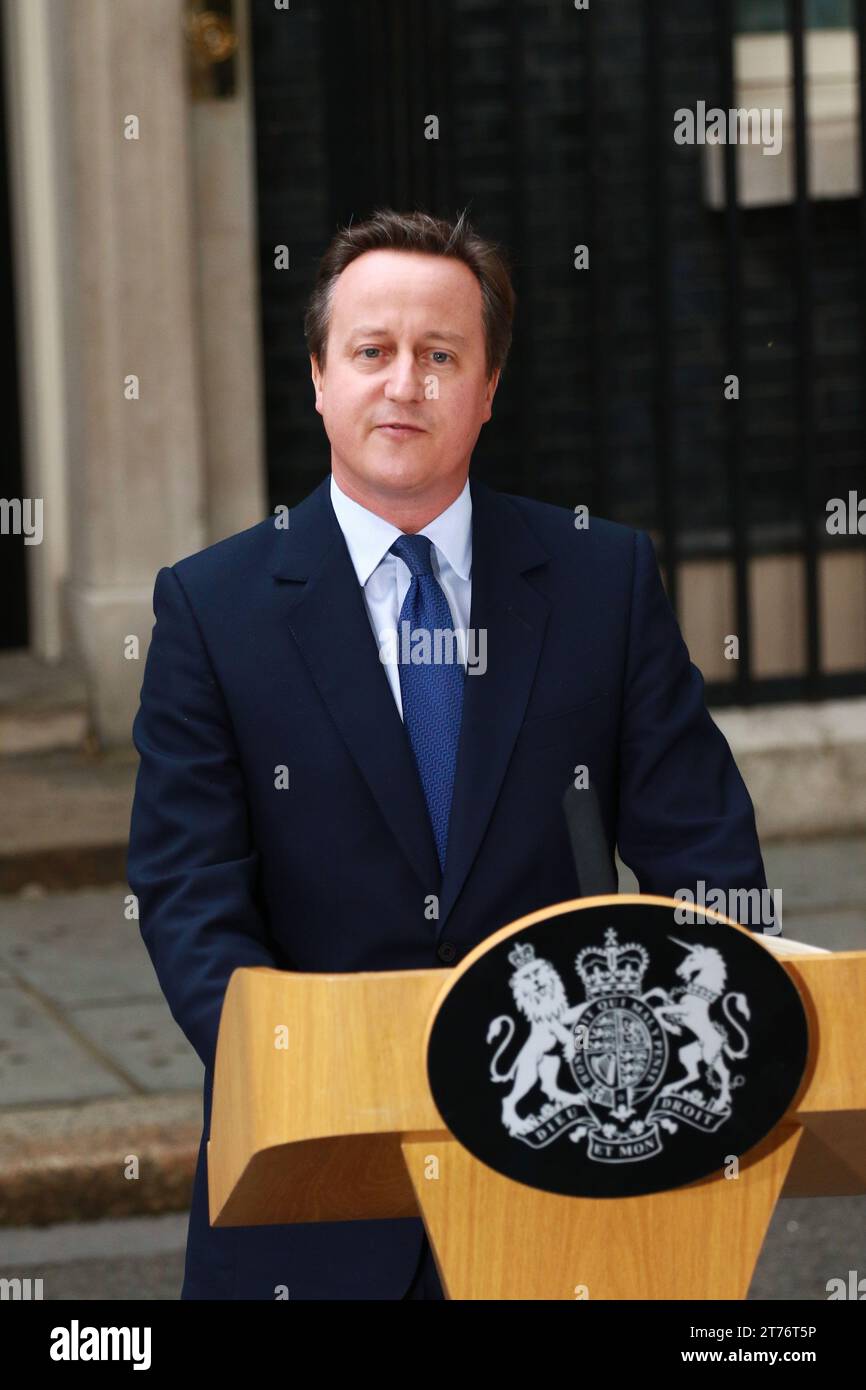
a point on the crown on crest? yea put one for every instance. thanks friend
(611, 968)
(522, 954)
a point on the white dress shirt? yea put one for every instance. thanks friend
(385, 578)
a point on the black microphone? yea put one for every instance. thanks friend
(596, 872)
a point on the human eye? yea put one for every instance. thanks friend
(440, 352)
(369, 349)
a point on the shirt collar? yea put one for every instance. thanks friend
(369, 537)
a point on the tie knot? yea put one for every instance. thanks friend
(414, 551)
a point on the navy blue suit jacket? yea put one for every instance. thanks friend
(262, 656)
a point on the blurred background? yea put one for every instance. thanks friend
(689, 357)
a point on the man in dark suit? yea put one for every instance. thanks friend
(317, 792)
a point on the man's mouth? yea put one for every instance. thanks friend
(396, 428)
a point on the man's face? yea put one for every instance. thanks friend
(406, 344)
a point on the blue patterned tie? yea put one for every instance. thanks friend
(432, 692)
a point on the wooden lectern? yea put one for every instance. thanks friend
(333, 1120)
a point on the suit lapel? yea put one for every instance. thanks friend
(325, 611)
(327, 616)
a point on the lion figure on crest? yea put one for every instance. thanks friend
(539, 995)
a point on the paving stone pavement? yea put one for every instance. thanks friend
(84, 1028)
(81, 1012)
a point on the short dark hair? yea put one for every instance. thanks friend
(418, 231)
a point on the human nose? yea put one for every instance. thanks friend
(404, 381)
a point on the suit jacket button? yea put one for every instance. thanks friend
(446, 950)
